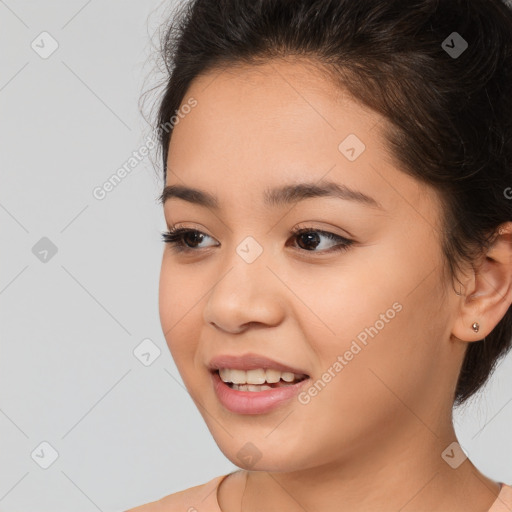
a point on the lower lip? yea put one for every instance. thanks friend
(254, 402)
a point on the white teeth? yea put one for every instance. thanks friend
(224, 374)
(272, 376)
(256, 377)
(249, 387)
(238, 377)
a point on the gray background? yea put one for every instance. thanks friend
(125, 433)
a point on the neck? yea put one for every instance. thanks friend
(406, 473)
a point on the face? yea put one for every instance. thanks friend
(356, 301)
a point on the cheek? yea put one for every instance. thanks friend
(179, 306)
(341, 303)
(380, 316)
(373, 386)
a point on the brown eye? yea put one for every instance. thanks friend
(184, 239)
(308, 239)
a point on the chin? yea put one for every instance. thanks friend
(255, 453)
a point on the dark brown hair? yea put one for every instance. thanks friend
(448, 107)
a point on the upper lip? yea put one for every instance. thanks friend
(250, 362)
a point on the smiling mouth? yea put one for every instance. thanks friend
(258, 380)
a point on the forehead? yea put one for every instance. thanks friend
(279, 104)
(258, 127)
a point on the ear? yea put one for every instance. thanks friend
(487, 293)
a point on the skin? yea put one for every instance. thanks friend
(372, 439)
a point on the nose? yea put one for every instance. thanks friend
(246, 295)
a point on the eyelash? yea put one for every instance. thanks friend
(174, 237)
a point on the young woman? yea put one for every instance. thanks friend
(338, 267)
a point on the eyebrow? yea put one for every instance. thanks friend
(275, 197)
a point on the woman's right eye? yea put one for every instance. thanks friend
(177, 238)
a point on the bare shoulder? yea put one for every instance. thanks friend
(183, 501)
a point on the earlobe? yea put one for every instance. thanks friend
(489, 291)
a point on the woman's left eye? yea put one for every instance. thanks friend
(177, 238)
(314, 236)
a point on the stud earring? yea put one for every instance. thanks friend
(475, 326)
